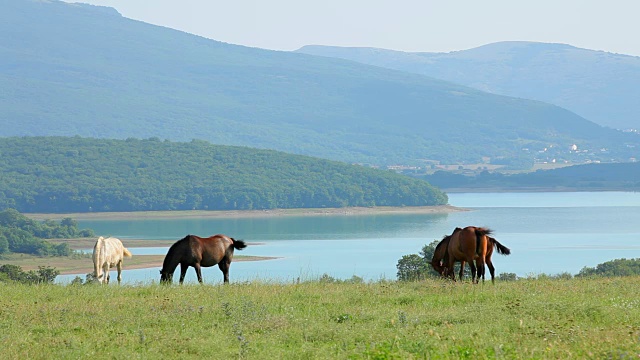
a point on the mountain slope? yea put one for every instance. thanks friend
(597, 85)
(85, 70)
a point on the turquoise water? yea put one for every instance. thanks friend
(547, 232)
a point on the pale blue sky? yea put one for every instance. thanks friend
(406, 25)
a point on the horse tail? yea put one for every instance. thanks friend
(97, 257)
(126, 252)
(238, 244)
(480, 232)
(501, 248)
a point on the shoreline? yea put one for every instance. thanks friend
(235, 214)
(81, 266)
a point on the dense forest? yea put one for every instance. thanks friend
(19, 234)
(74, 174)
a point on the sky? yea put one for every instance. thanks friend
(404, 25)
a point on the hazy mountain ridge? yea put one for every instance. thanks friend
(597, 85)
(80, 70)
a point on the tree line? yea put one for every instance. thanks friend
(74, 174)
(19, 234)
(581, 177)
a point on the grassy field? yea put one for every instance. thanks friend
(435, 319)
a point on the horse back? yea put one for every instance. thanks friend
(114, 251)
(469, 243)
(214, 249)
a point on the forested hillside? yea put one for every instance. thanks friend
(74, 174)
(85, 70)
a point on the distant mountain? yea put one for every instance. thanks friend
(72, 69)
(599, 86)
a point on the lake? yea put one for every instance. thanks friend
(552, 232)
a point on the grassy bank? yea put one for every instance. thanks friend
(577, 318)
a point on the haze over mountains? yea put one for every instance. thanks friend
(71, 69)
(600, 86)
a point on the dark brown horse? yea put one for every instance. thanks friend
(200, 252)
(469, 244)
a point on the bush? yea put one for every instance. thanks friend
(507, 277)
(618, 267)
(14, 273)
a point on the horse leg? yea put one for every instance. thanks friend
(224, 267)
(105, 273)
(183, 272)
(472, 265)
(481, 269)
(198, 272)
(492, 270)
(119, 267)
(461, 269)
(450, 271)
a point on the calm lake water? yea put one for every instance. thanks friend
(547, 233)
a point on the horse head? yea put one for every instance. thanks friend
(165, 277)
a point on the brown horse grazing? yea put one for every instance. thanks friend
(473, 243)
(441, 256)
(197, 252)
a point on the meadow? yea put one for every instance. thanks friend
(534, 318)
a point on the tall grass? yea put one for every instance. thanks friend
(525, 319)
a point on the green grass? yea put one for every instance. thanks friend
(525, 319)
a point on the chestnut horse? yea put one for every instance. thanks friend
(469, 244)
(441, 256)
(195, 251)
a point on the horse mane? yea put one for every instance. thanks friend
(444, 239)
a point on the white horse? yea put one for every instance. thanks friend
(108, 253)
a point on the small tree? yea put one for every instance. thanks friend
(411, 268)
